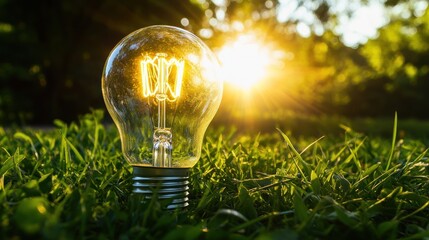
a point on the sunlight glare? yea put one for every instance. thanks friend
(245, 62)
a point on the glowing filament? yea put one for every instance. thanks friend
(162, 78)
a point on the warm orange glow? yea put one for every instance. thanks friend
(161, 77)
(245, 62)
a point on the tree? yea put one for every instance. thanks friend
(53, 52)
(399, 71)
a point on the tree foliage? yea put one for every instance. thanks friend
(52, 54)
(399, 70)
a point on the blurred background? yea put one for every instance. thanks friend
(281, 58)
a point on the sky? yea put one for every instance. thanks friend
(363, 24)
(356, 29)
(356, 22)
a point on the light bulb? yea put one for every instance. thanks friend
(162, 88)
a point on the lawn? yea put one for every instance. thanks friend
(72, 182)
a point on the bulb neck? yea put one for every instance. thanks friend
(164, 184)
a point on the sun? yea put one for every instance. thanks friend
(245, 62)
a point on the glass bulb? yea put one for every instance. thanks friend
(162, 88)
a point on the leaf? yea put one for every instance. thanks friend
(206, 198)
(414, 197)
(301, 210)
(387, 230)
(370, 170)
(353, 156)
(45, 182)
(346, 217)
(31, 214)
(423, 207)
(418, 236)
(12, 161)
(227, 219)
(246, 203)
(75, 151)
(296, 153)
(311, 144)
(25, 137)
(395, 129)
(280, 234)
(315, 182)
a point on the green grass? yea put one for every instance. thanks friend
(72, 182)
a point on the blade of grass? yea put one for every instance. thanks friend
(11, 162)
(296, 153)
(311, 144)
(395, 129)
(75, 151)
(25, 137)
(416, 211)
(353, 156)
(260, 218)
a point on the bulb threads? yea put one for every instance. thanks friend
(169, 185)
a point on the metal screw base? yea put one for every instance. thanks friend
(166, 184)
